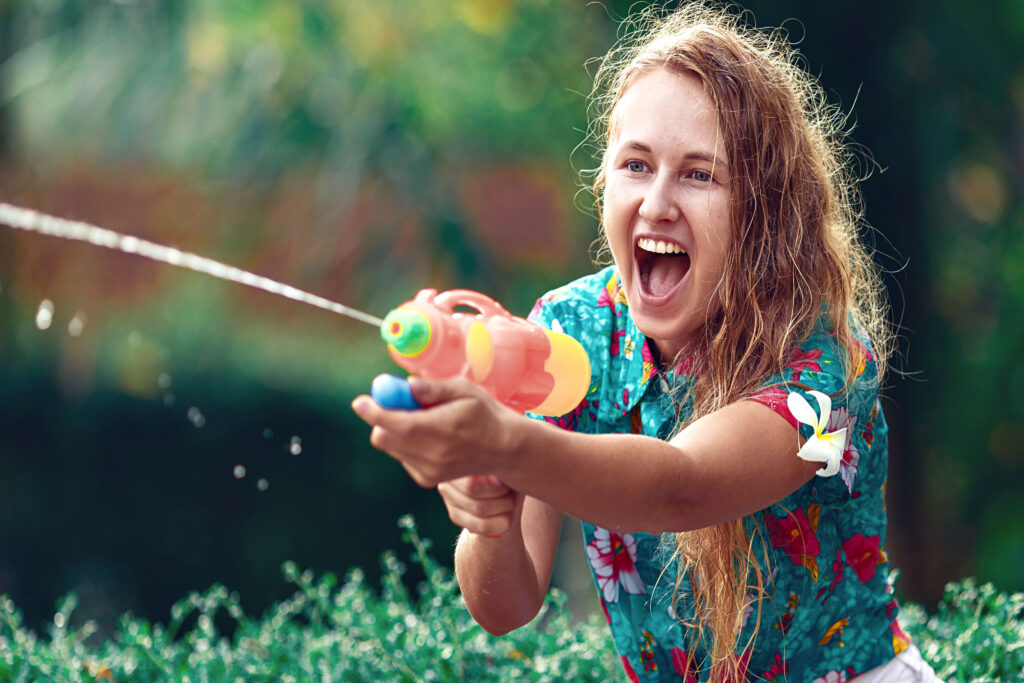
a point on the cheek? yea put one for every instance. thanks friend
(614, 222)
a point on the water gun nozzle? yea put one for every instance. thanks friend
(406, 330)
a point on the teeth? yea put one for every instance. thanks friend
(660, 247)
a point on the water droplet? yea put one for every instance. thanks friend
(239, 471)
(163, 381)
(262, 484)
(129, 244)
(58, 620)
(268, 433)
(77, 324)
(168, 400)
(295, 447)
(44, 316)
(196, 417)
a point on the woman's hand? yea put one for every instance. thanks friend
(462, 431)
(481, 504)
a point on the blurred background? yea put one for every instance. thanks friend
(161, 430)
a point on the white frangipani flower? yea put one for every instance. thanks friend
(826, 447)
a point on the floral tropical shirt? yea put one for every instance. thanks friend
(829, 614)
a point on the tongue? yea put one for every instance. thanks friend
(665, 272)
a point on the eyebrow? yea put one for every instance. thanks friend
(696, 154)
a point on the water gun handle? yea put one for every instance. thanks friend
(487, 306)
(393, 393)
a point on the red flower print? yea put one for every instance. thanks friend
(681, 665)
(570, 421)
(863, 555)
(804, 360)
(615, 342)
(630, 674)
(775, 398)
(837, 575)
(743, 662)
(612, 293)
(613, 556)
(796, 534)
(650, 368)
(686, 366)
(779, 666)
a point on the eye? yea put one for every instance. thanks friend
(636, 166)
(701, 176)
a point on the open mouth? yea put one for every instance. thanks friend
(662, 265)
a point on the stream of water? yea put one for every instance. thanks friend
(34, 221)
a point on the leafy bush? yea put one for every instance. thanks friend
(322, 633)
(354, 633)
(976, 634)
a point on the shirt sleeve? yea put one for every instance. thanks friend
(816, 367)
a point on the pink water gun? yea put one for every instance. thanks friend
(519, 363)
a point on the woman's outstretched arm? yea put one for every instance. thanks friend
(728, 464)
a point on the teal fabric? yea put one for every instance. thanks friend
(830, 614)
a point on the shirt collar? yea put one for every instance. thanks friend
(633, 365)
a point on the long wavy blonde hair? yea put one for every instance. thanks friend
(796, 250)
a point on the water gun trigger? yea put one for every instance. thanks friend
(393, 393)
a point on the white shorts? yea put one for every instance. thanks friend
(906, 667)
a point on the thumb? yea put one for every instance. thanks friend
(430, 392)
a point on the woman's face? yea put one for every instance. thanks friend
(667, 205)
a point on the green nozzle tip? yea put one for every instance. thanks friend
(406, 330)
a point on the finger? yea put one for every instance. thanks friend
(366, 408)
(485, 526)
(480, 486)
(485, 507)
(422, 479)
(431, 392)
(406, 423)
(423, 471)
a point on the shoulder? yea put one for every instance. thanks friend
(821, 362)
(820, 394)
(587, 290)
(580, 306)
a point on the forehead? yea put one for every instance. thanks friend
(667, 107)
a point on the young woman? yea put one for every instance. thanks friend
(729, 461)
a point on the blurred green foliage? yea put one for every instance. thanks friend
(364, 149)
(323, 632)
(353, 632)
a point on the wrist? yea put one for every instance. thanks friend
(512, 443)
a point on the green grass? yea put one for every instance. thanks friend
(353, 632)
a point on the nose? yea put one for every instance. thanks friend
(659, 202)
